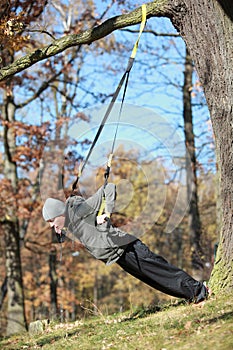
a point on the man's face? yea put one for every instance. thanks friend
(58, 223)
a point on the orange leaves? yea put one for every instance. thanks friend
(21, 128)
(11, 33)
(30, 140)
(18, 203)
(27, 157)
(15, 17)
(6, 198)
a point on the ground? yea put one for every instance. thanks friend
(168, 327)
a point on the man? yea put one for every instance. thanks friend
(109, 244)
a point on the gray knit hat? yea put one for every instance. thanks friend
(53, 208)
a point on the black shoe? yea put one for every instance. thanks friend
(203, 295)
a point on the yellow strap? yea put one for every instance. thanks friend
(110, 160)
(143, 23)
(80, 169)
(133, 54)
(102, 207)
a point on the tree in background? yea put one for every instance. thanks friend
(12, 42)
(197, 256)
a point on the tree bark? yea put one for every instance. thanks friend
(3, 292)
(53, 282)
(191, 174)
(16, 320)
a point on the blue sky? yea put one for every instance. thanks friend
(155, 79)
(155, 83)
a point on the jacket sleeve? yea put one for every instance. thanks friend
(110, 197)
(86, 207)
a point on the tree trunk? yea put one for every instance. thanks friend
(3, 292)
(53, 282)
(207, 28)
(16, 321)
(191, 171)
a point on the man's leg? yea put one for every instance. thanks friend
(155, 271)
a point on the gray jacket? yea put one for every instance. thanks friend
(104, 242)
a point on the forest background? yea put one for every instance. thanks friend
(52, 126)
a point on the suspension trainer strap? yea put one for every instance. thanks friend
(109, 163)
(124, 78)
(99, 130)
(131, 60)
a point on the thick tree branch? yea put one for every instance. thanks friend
(156, 8)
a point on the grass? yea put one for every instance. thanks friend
(171, 327)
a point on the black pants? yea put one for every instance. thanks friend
(155, 271)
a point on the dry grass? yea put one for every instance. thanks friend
(173, 327)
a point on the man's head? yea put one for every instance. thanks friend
(54, 212)
(53, 208)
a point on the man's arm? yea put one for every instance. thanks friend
(93, 203)
(84, 207)
(109, 203)
(109, 193)
(110, 197)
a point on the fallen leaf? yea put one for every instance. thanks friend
(188, 325)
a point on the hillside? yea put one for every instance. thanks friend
(178, 326)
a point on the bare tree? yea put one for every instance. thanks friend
(191, 171)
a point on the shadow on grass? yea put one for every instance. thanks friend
(49, 339)
(224, 317)
(144, 312)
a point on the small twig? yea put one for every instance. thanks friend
(40, 31)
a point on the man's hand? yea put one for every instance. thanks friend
(100, 219)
